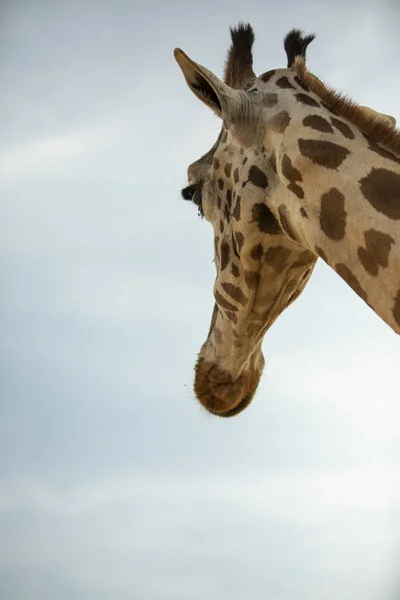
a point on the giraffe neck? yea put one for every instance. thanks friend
(343, 203)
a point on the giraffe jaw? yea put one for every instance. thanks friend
(221, 395)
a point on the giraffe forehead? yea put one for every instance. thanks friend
(271, 85)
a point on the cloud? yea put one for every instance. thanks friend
(145, 535)
(42, 156)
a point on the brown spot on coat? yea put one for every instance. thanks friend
(219, 202)
(228, 169)
(234, 292)
(265, 219)
(270, 100)
(221, 226)
(276, 257)
(343, 128)
(251, 279)
(376, 251)
(216, 163)
(224, 136)
(280, 121)
(236, 175)
(318, 123)
(229, 197)
(227, 213)
(257, 178)
(223, 302)
(321, 254)
(305, 259)
(256, 252)
(293, 175)
(381, 188)
(321, 152)
(306, 99)
(224, 255)
(231, 316)
(346, 274)
(234, 270)
(284, 83)
(333, 215)
(303, 213)
(244, 160)
(239, 240)
(272, 161)
(221, 184)
(267, 76)
(236, 210)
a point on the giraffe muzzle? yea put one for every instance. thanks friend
(221, 395)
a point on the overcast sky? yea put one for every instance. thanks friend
(114, 484)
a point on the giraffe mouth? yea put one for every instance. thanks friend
(219, 394)
(237, 409)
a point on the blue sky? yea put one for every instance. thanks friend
(114, 483)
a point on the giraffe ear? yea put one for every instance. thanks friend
(204, 84)
(230, 104)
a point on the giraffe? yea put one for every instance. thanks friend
(298, 172)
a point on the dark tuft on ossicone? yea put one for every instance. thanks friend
(242, 37)
(239, 63)
(296, 45)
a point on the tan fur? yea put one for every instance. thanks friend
(379, 128)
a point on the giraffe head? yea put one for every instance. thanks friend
(261, 267)
(251, 191)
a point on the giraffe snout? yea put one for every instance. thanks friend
(219, 393)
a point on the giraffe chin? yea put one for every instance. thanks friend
(219, 394)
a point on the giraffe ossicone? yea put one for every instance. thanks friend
(298, 172)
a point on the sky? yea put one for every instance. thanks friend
(114, 483)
